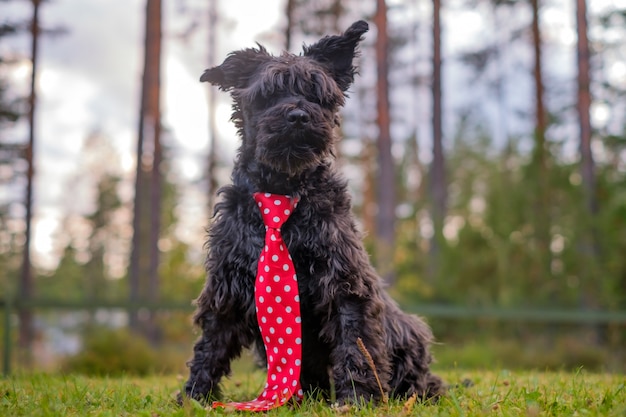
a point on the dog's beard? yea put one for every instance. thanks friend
(292, 150)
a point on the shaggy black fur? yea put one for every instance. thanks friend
(286, 109)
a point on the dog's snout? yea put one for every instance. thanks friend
(298, 117)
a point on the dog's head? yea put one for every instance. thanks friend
(286, 107)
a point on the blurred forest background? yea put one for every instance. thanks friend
(485, 142)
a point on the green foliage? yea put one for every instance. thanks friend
(566, 353)
(113, 352)
(11, 110)
(493, 255)
(182, 278)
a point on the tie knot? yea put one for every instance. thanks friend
(275, 208)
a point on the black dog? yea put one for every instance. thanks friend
(286, 109)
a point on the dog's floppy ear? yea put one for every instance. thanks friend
(237, 68)
(337, 52)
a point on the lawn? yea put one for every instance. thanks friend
(492, 393)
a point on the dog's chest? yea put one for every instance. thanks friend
(306, 235)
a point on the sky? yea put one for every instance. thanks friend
(89, 80)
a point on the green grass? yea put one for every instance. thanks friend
(499, 393)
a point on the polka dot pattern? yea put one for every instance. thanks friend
(278, 310)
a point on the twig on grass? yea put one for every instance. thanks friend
(370, 362)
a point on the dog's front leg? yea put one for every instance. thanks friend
(357, 380)
(221, 341)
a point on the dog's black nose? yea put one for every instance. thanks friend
(298, 117)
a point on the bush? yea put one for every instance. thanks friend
(113, 352)
(564, 353)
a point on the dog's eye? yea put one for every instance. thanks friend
(313, 98)
(260, 101)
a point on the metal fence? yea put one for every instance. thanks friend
(545, 316)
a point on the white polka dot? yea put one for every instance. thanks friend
(276, 219)
(290, 351)
(273, 377)
(261, 299)
(267, 268)
(300, 393)
(276, 278)
(281, 341)
(267, 339)
(288, 330)
(279, 320)
(288, 309)
(266, 211)
(270, 310)
(283, 360)
(275, 349)
(296, 298)
(264, 319)
(274, 258)
(277, 202)
(278, 299)
(287, 288)
(286, 267)
(281, 248)
(298, 341)
(269, 289)
(272, 330)
(298, 319)
(268, 195)
(262, 258)
(259, 204)
(285, 380)
(295, 277)
(294, 383)
(298, 362)
(287, 212)
(286, 390)
(261, 278)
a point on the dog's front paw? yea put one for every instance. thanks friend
(194, 395)
(356, 400)
(180, 398)
(342, 408)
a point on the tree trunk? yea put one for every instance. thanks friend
(540, 113)
(290, 7)
(584, 104)
(144, 277)
(26, 330)
(540, 163)
(212, 104)
(437, 174)
(589, 239)
(385, 228)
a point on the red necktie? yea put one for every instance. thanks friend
(278, 310)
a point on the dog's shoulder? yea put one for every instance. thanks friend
(329, 193)
(235, 210)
